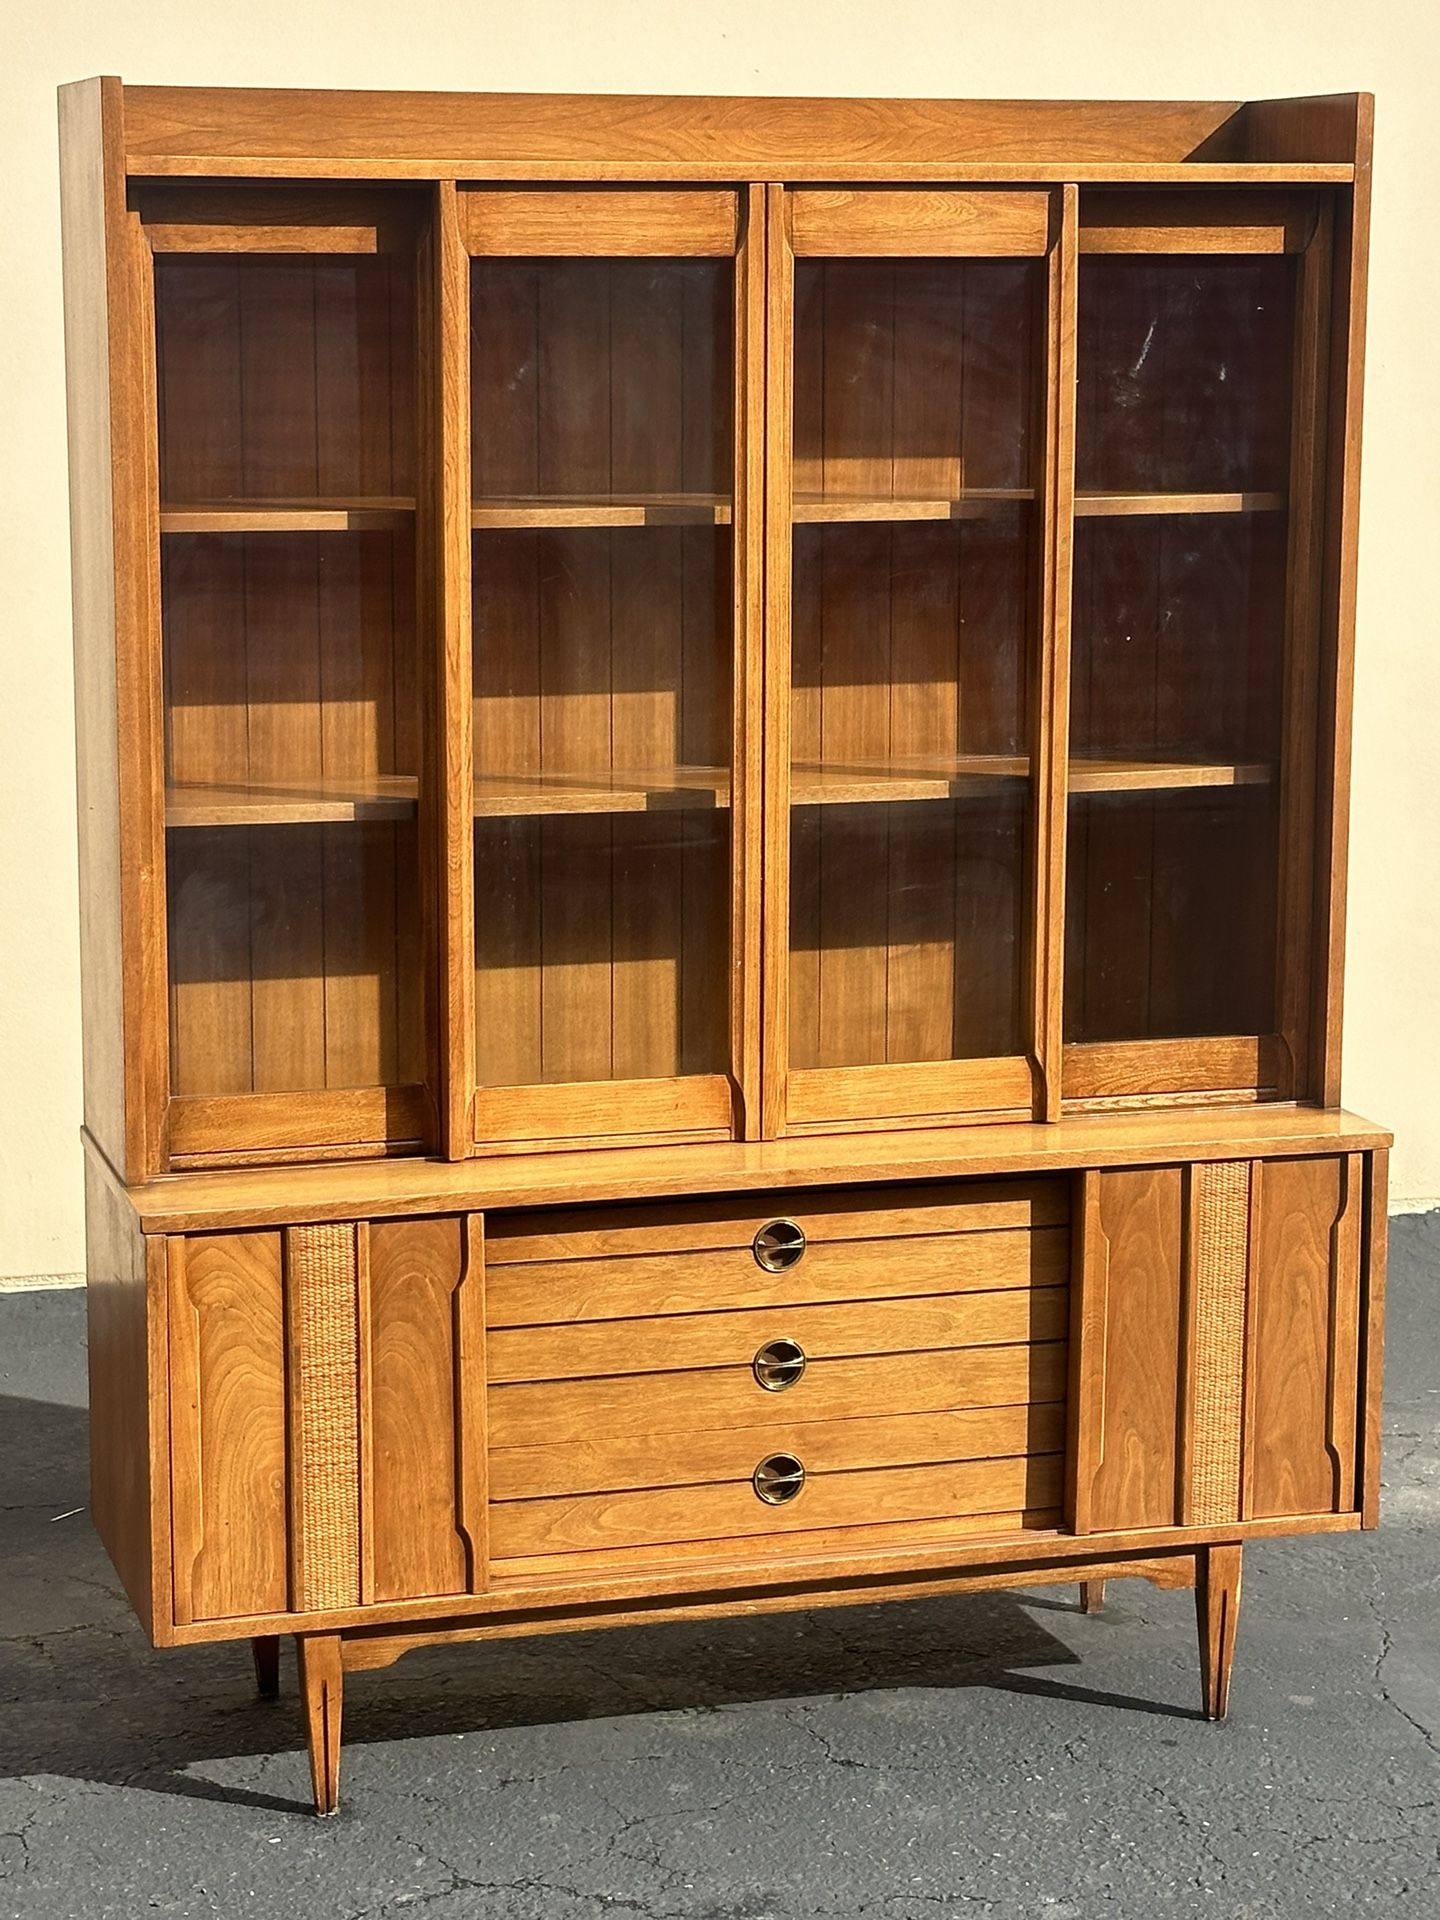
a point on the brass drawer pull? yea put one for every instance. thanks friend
(779, 1478)
(779, 1364)
(779, 1246)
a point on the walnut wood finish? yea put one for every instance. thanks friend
(1217, 1609)
(669, 654)
(322, 1682)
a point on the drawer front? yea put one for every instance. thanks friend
(907, 1370)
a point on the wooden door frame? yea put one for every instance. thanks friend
(1229, 222)
(574, 219)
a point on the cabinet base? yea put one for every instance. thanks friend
(1213, 1571)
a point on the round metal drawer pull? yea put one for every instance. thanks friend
(778, 1479)
(779, 1364)
(778, 1246)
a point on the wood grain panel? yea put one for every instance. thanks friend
(228, 1426)
(1303, 1410)
(892, 220)
(1127, 1385)
(125, 1310)
(610, 1174)
(423, 1395)
(600, 221)
(590, 1521)
(535, 1413)
(825, 1446)
(663, 1342)
(646, 136)
(695, 1282)
(119, 727)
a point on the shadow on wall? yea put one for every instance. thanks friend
(88, 1699)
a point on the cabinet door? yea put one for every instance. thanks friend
(910, 454)
(294, 762)
(327, 1444)
(1222, 1314)
(1199, 435)
(614, 382)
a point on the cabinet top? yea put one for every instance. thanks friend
(206, 1202)
(304, 133)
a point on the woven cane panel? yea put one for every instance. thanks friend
(1220, 1222)
(325, 1469)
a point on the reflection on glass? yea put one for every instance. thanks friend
(1182, 454)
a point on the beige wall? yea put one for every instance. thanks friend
(1201, 49)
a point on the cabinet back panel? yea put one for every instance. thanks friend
(599, 947)
(913, 377)
(294, 958)
(1177, 628)
(601, 377)
(1170, 908)
(1184, 373)
(284, 376)
(906, 931)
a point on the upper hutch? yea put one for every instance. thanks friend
(714, 754)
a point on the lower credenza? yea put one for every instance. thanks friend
(425, 1421)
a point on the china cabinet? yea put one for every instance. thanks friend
(713, 773)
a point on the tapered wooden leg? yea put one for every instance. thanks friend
(321, 1687)
(1092, 1596)
(1217, 1611)
(266, 1649)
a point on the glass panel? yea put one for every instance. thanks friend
(286, 419)
(915, 471)
(602, 393)
(1182, 456)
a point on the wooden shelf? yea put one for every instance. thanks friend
(648, 790)
(1092, 775)
(631, 510)
(857, 783)
(1096, 506)
(975, 503)
(343, 797)
(288, 516)
(339, 797)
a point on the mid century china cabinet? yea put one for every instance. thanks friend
(714, 753)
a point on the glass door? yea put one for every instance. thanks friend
(286, 419)
(1199, 422)
(907, 508)
(609, 544)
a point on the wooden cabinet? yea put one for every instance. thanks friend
(713, 749)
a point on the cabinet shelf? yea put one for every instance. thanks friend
(628, 510)
(1089, 774)
(322, 799)
(1108, 506)
(648, 790)
(288, 516)
(362, 797)
(975, 503)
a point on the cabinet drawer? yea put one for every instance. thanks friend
(1020, 1491)
(865, 1214)
(907, 1368)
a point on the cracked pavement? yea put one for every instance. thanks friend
(997, 1755)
